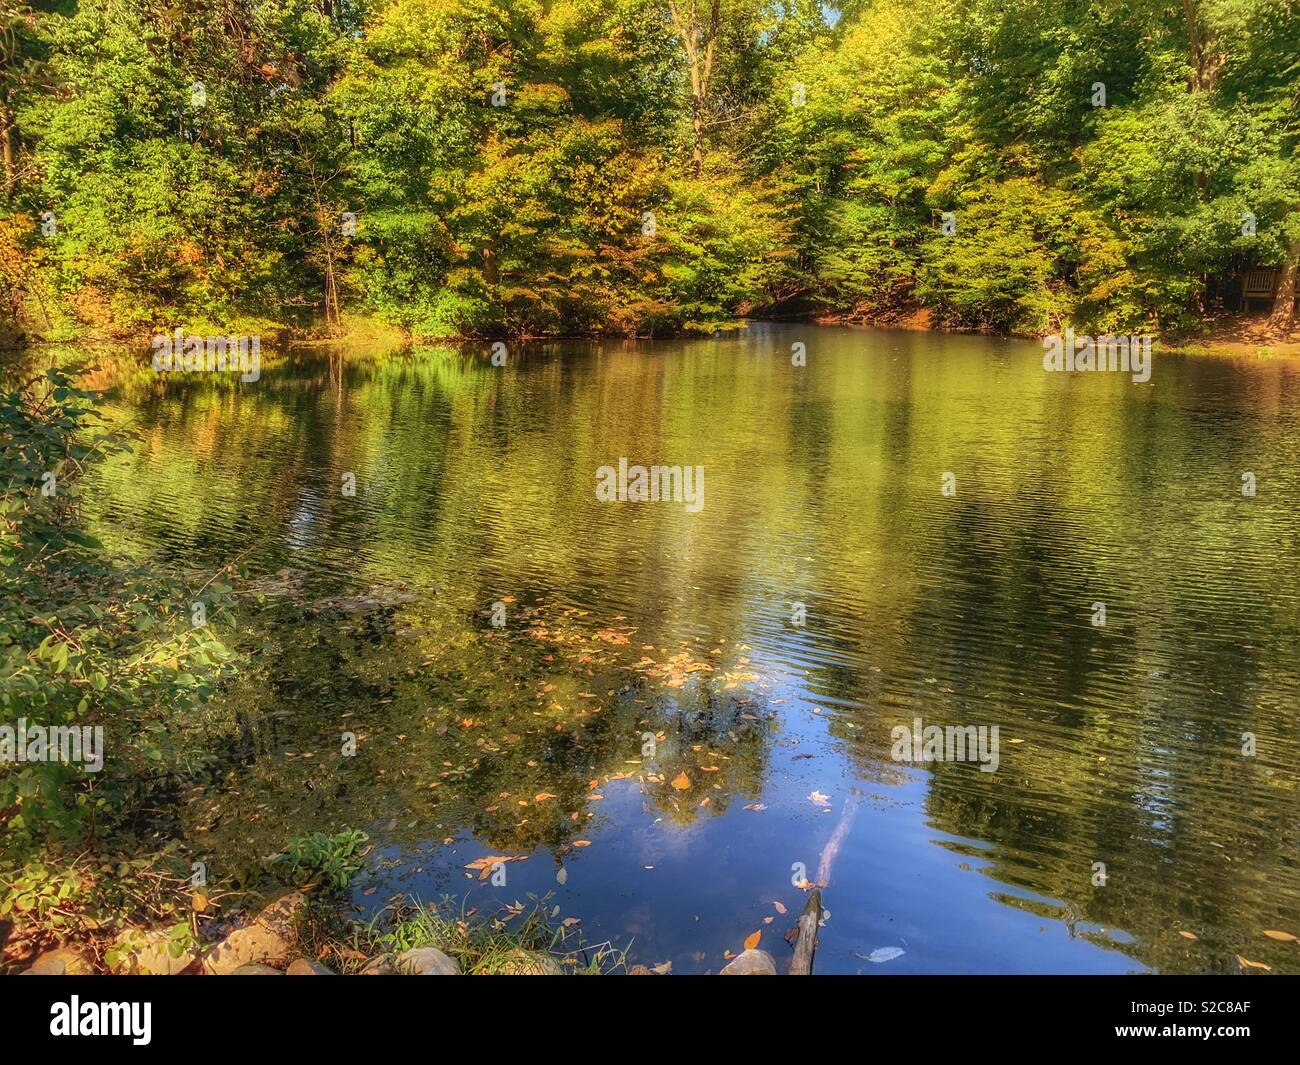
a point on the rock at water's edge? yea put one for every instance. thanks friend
(751, 963)
(268, 940)
(61, 962)
(306, 967)
(426, 961)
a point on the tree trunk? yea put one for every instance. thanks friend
(697, 128)
(699, 40)
(1283, 316)
(1207, 60)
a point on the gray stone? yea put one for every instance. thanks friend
(256, 969)
(306, 967)
(751, 963)
(426, 961)
(61, 962)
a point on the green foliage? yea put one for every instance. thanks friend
(87, 644)
(502, 158)
(180, 938)
(1114, 216)
(318, 858)
(530, 218)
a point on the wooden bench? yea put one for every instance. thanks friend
(1258, 285)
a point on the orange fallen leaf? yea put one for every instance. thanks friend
(752, 941)
(1189, 935)
(681, 781)
(484, 865)
(1247, 963)
(779, 907)
(1285, 937)
(582, 843)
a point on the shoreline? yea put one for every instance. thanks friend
(1231, 338)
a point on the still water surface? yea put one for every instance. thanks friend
(1119, 744)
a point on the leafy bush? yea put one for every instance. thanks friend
(333, 860)
(88, 643)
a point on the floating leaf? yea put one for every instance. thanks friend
(484, 865)
(1285, 937)
(884, 954)
(681, 781)
(751, 941)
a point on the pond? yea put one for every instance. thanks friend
(672, 713)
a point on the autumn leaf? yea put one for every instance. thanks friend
(820, 799)
(1246, 963)
(484, 865)
(1188, 935)
(582, 843)
(1285, 937)
(752, 941)
(681, 781)
(779, 907)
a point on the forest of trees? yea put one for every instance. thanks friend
(643, 167)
